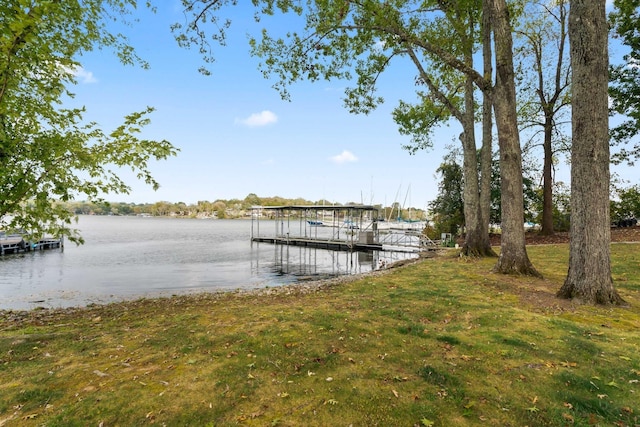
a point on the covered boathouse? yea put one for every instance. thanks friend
(345, 227)
(342, 228)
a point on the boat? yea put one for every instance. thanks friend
(315, 223)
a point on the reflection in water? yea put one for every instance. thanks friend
(302, 262)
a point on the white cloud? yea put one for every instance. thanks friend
(263, 118)
(344, 157)
(83, 75)
(79, 73)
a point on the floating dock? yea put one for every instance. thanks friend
(342, 228)
(15, 243)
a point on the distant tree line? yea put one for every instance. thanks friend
(220, 209)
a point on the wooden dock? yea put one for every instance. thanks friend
(330, 244)
(14, 244)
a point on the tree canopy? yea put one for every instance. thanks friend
(624, 88)
(49, 152)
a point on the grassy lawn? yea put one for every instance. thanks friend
(441, 342)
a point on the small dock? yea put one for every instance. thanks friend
(15, 243)
(340, 228)
(335, 245)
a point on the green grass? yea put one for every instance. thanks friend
(441, 342)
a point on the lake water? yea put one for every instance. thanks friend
(131, 257)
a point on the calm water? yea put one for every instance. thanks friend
(130, 257)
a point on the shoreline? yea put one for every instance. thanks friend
(41, 315)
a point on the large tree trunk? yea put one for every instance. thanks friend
(476, 243)
(486, 154)
(589, 277)
(513, 257)
(547, 180)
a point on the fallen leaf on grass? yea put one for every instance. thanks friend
(568, 417)
(395, 393)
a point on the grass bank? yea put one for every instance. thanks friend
(438, 343)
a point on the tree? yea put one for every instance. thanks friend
(513, 255)
(448, 207)
(48, 152)
(589, 277)
(545, 74)
(625, 78)
(627, 206)
(345, 38)
(451, 94)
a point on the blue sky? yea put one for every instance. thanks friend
(237, 136)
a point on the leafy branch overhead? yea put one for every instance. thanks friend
(343, 40)
(624, 88)
(49, 152)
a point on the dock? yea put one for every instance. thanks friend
(15, 243)
(340, 228)
(335, 245)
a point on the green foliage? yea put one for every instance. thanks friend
(448, 207)
(624, 89)
(627, 204)
(48, 152)
(561, 206)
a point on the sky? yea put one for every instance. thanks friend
(237, 136)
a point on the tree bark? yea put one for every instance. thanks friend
(513, 257)
(486, 153)
(589, 277)
(547, 180)
(476, 243)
